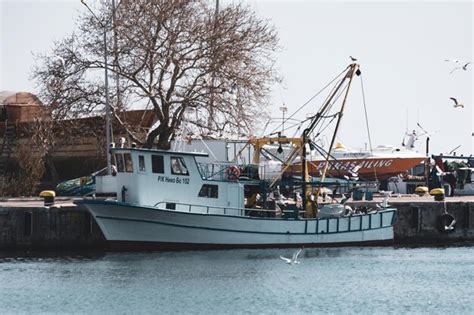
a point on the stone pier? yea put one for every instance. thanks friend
(25, 224)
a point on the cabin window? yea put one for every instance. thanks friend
(120, 164)
(141, 163)
(128, 162)
(157, 165)
(178, 167)
(209, 191)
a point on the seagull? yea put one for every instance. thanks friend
(452, 60)
(456, 104)
(450, 227)
(352, 58)
(463, 67)
(294, 259)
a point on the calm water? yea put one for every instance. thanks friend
(348, 280)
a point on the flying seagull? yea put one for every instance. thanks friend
(352, 58)
(456, 104)
(450, 227)
(294, 259)
(452, 60)
(463, 67)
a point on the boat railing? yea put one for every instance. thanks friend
(213, 171)
(193, 208)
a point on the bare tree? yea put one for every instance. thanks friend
(173, 57)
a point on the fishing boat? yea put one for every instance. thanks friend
(168, 200)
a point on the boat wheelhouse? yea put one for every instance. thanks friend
(151, 177)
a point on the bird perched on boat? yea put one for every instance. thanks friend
(352, 58)
(456, 104)
(294, 258)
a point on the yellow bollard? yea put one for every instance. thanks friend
(48, 196)
(421, 190)
(438, 194)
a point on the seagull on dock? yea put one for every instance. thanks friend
(294, 259)
(456, 104)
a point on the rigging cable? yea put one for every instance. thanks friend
(308, 101)
(367, 123)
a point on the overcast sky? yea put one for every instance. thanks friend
(401, 47)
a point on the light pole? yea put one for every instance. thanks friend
(284, 109)
(107, 104)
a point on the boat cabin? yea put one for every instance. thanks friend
(175, 180)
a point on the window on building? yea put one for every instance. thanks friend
(119, 161)
(209, 191)
(178, 167)
(157, 165)
(128, 162)
(141, 163)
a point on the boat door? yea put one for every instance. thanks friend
(234, 196)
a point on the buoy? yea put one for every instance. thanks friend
(438, 194)
(48, 197)
(233, 173)
(446, 223)
(421, 190)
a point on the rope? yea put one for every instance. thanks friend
(308, 101)
(367, 122)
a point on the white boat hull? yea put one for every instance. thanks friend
(136, 227)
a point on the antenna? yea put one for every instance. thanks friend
(406, 126)
(450, 152)
(422, 129)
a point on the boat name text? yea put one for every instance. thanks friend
(174, 180)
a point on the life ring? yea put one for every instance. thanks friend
(446, 223)
(233, 172)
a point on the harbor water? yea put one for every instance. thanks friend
(343, 280)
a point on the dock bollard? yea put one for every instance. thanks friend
(421, 190)
(438, 194)
(48, 196)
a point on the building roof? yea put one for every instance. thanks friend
(10, 98)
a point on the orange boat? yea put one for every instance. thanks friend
(379, 164)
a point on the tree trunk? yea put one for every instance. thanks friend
(52, 168)
(163, 134)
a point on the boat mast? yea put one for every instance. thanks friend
(350, 74)
(307, 205)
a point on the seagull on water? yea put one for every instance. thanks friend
(456, 104)
(294, 259)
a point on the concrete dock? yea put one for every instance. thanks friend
(26, 224)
